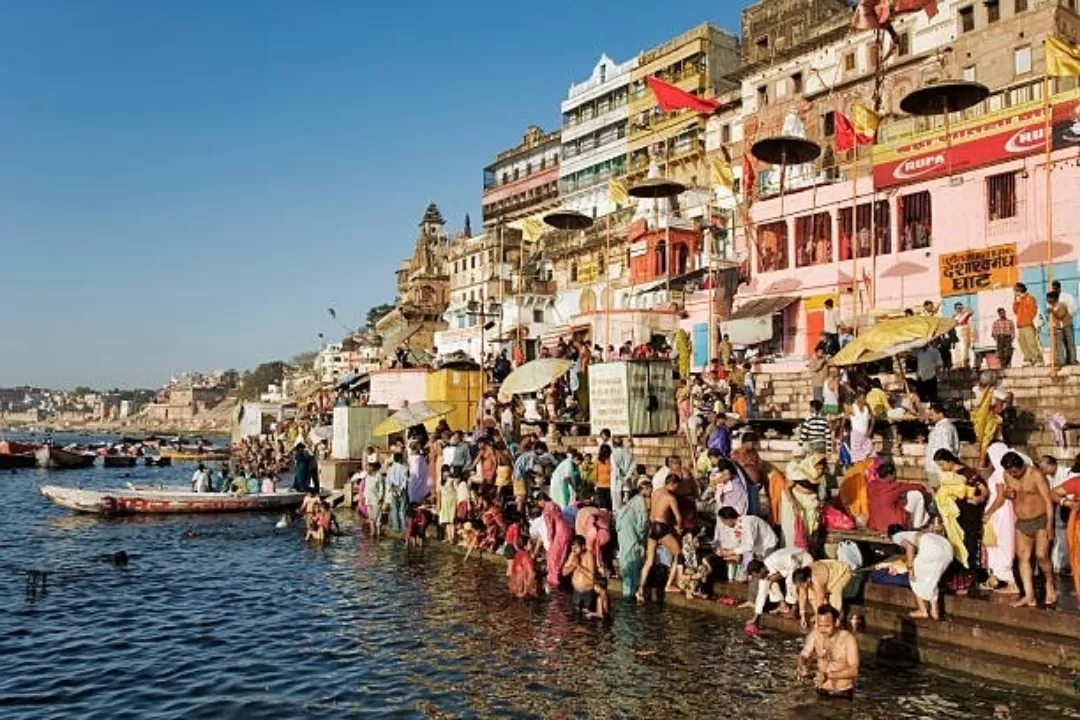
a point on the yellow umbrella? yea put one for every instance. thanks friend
(892, 337)
(532, 376)
(420, 413)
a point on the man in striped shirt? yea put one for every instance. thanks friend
(814, 432)
(1003, 331)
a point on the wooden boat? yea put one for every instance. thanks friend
(119, 461)
(157, 461)
(54, 458)
(194, 454)
(15, 461)
(11, 447)
(163, 502)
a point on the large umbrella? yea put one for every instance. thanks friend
(419, 413)
(532, 376)
(892, 337)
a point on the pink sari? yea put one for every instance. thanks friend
(999, 557)
(521, 576)
(560, 533)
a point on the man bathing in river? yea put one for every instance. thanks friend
(1033, 503)
(837, 654)
(664, 526)
(590, 587)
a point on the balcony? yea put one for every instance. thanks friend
(537, 179)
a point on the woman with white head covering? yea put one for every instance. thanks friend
(1000, 541)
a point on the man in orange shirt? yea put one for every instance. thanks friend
(1025, 309)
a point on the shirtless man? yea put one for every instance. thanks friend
(664, 524)
(837, 654)
(590, 588)
(823, 580)
(1033, 503)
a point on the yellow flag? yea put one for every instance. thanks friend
(617, 192)
(1062, 59)
(531, 229)
(721, 174)
(865, 121)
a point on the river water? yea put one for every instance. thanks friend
(244, 621)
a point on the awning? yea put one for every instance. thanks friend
(679, 282)
(761, 307)
(512, 333)
(349, 380)
(648, 287)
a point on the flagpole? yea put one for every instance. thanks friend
(607, 284)
(854, 240)
(1048, 132)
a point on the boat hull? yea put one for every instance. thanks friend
(54, 458)
(157, 461)
(15, 461)
(163, 502)
(119, 461)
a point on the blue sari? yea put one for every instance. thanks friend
(631, 528)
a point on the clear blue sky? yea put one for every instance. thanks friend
(188, 186)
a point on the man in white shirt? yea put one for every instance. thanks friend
(1066, 299)
(766, 575)
(942, 436)
(739, 539)
(671, 465)
(200, 480)
(831, 329)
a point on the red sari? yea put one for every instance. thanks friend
(559, 533)
(1072, 533)
(521, 576)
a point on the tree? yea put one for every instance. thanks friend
(377, 313)
(82, 390)
(230, 378)
(255, 381)
(305, 360)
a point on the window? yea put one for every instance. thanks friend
(772, 246)
(725, 133)
(874, 52)
(538, 315)
(781, 88)
(916, 221)
(903, 47)
(472, 263)
(661, 259)
(455, 266)
(1022, 60)
(813, 240)
(762, 95)
(828, 124)
(969, 73)
(762, 44)
(967, 19)
(849, 61)
(1001, 196)
(993, 11)
(864, 228)
(1020, 6)
(573, 272)
(600, 263)
(796, 82)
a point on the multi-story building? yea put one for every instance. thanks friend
(524, 180)
(594, 127)
(698, 61)
(422, 291)
(922, 216)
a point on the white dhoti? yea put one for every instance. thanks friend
(916, 508)
(932, 559)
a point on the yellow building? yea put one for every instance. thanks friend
(698, 62)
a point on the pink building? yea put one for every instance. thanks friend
(983, 195)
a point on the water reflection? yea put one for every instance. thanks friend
(241, 620)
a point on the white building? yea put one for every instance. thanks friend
(594, 137)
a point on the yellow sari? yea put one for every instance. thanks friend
(953, 487)
(986, 422)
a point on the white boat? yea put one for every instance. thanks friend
(120, 501)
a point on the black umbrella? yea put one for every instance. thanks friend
(568, 220)
(943, 98)
(656, 188)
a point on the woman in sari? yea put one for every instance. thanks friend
(985, 418)
(1068, 495)
(961, 500)
(1000, 527)
(748, 462)
(800, 511)
(862, 429)
(521, 569)
(632, 529)
(560, 533)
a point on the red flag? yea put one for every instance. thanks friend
(845, 132)
(671, 98)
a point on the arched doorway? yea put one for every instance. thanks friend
(661, 259)
(682, 259)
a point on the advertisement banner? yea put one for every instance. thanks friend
(972, 271)
(992, 138)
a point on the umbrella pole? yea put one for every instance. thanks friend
(854, 239)
(1048, 133)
